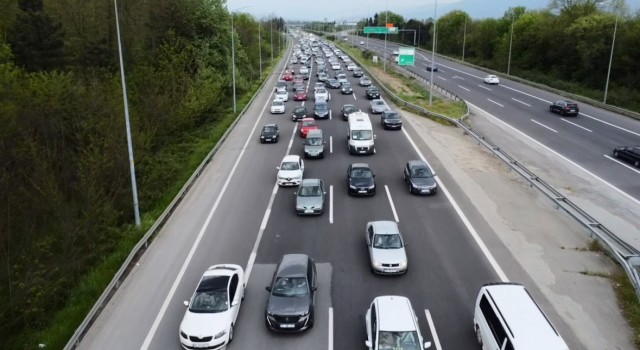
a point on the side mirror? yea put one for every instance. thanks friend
(277, 168)
(314, 288)
(427, 345)
(268, 288)
(235, 302)
(295, 193)
(367, 343)
(374, 136)
(374, 175)
(186, 303)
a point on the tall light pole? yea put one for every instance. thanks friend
(260, 45)
(510, 45)
(271, 20)
(132, 168)
(433, 50)
(384, 58)
(233, 58)
(464, 37)
(613, 44)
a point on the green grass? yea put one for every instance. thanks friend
(65, 321)
(628, 303)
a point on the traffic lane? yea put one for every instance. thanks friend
(147, 286)
(251, 331)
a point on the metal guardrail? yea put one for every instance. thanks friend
(142, 245)
(626, 255)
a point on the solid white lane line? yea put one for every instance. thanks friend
(484, 87)
(544, 126)
(628, 196)
(612, 125)
(187, 260)
(331, 204)
(330, 144)
(490, 100)
(330, 328)
(393, 208)
(524, 103)
(526, 94)
(623, 164)
(432, 328)
(463, 88)
(439, 77)
(463, 217)
(572, 123)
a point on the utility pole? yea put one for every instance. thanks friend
(260, 45)
(271, 20)
(510, 45)
(464, 37)
(433, 50)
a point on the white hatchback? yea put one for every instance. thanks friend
(282, 95)
(351, 66)
(290, 171)
(491, 79)
(392, 324)
(321, 94)
(277, 106)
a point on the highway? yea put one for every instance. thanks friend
(586, 140)
(236, 214)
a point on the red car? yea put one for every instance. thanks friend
(300, 95)
(287, 77)
(307, 125)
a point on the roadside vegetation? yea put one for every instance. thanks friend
(66, 222)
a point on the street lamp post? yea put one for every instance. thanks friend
(271, 20)
(233, 59)
(384, 58)
(510, 45)
(260, 45)
(132, 168)
(433, 50)
(613, 44)
(464, 37)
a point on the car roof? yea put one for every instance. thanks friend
(394, 314)
(385, 227)
(360, 165)
(222, 270)
(270, 125)
(293, 265)
(310, 182)
(291, 158)
(417, 162)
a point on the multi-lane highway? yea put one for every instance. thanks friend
(236, 214)
(586, 140)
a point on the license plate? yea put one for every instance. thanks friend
(425, 191)
(361, 151)
(390, 270)
(308, 211)
(287, 325)
(267, 139)
(362, 191)
(200, 345)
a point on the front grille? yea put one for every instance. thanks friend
(390, 265)
(195, 339)
(362, 148)
(286, 319)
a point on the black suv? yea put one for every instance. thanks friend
(361, 180)
(419, 178)
(391, 120)
(299, 113)
(564, 108)
(290, 306)
(630, 154)
(270, 133)
(372, 93)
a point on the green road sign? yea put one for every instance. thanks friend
(407, 56)
(380, 30)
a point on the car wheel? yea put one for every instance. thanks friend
(637, 163)
(231, 334)
(478, 336)
(550, 109)
(410, 189)
(615, 154)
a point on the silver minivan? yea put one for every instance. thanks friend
(314, 144)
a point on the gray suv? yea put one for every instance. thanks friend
(290, 306)
(314, 144)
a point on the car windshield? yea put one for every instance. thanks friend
(300, 92)
(321, 91)
(378, 103)
(361, 173)
(281, 92)
(278, 103)
(391, 115)
(270, 129)
(398, 340)
(361, 135)
(211, 295)
(421, 172)
(290, 166)
(321, 107)
(387, 241)
(349, 109)
(309, 123)
(290, 287)
(309, 191)
(313, 141)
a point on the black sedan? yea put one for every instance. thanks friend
(419, 178)
(299, 113)
(361, 180)
(432, 67)
(332, 83)
(372, 93)
(629, 154)
(270, 133)
(564, 108)
(346, 89)
(348, 109)
(391, 120)
(358, 73)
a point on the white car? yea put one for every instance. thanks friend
(351, 66)
(282, 95)
(213, 309)
(321, 94)
(317, 86)
(304, 70)
(392, 324)
(277, 106)
(335, 66)
(342, 78)
(361, 42)
(491, 79)
(290, 171)
(396, 52)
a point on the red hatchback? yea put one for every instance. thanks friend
(307, 125)
(287, 77)
(300, 95)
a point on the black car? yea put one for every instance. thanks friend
(346, 89)
(361, 180)
(321, 110)
(332, 83)
(299, 113)
(419, 178)
(348, 109)
(290, 306)
(630, 154)
(372, 93)
(358, 73)
(270, 133)
(432, 67)
(564, 108)
(391, 120)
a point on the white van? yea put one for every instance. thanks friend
(360, 134)
(507, 318)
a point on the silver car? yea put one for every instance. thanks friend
(378, 106)
(310, 197)
(386, 248)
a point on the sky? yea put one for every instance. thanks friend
(353, 10)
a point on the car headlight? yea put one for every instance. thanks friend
(352, 187)
(372, 186)
(220, 334)
(261, 136)
(183, 334)
(403, 264)
(377, 264)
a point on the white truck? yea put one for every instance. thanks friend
(360, 134)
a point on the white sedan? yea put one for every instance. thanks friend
(321, 94)
(351, 66)
(277, 106)
(282, 95)
(213, 309)
(335, 66)
(491, 79)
